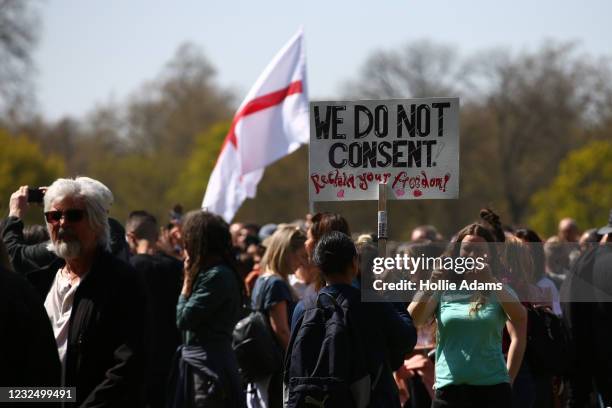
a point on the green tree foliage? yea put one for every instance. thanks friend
(521, 114)
(23, 163)
(282, 194)
(582, 190)
(190, 185)
(138, 182)
(540, 107)
(139, 147)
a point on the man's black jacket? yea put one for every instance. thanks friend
(24, 258)
(106, 352)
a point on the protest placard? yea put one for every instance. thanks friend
(412, 145)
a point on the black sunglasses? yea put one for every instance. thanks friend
(72, 215)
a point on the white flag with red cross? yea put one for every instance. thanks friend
(271, 123)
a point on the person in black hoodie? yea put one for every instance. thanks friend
(96, 303)
(163, 277)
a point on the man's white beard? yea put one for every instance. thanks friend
(66, 249)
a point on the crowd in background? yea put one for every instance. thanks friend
(135, 313)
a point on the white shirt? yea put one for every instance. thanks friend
(59, 306)
(301, 289)
(547, 283)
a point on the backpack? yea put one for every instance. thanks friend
(257, 350)
(325, 364)
(547, 342)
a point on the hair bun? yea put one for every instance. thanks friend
(489, 216)
(493, 220)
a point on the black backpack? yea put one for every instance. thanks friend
(325, 364)
(547, 342)
(257, 350)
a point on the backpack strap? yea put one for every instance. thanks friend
(310, 302)
(322, 295)
(259, 300)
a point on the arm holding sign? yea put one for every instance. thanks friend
(423, 308)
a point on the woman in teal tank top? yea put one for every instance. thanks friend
(470, 367)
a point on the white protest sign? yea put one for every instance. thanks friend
(411, 144)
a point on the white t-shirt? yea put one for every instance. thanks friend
(59, 306)
(547, 283)
(301, 288)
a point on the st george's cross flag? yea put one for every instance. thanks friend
(271, 122)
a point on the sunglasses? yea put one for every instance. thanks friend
(72, 215)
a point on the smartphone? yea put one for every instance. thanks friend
(35, 195)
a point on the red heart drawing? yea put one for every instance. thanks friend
(340, 194)
(417, 193)
(400, 192)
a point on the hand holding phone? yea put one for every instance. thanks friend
(18, 202)
(35, 195)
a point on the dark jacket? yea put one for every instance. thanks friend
(388, 333)
(602, 322)
(106, 352)
(163, 277)
(24, 258)
(205, 376)
(206, 365)
(586, 299)
(213, 309)
(28, 353)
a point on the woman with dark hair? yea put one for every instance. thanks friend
(548, 295)
(537, 250)
(207, 311)
(470, 365)
(321, 224)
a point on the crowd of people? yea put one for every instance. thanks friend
(138, 314)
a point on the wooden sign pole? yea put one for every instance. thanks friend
(311, 207)
(382, 220)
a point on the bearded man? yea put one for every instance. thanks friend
(96, 303)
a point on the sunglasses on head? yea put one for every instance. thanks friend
(72, 215)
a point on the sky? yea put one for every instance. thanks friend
(92, 52)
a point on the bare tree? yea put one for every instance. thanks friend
(419, 69)
(521, 114)
(416, 70)
(19, 26)
(541, 104)
(184, 100)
